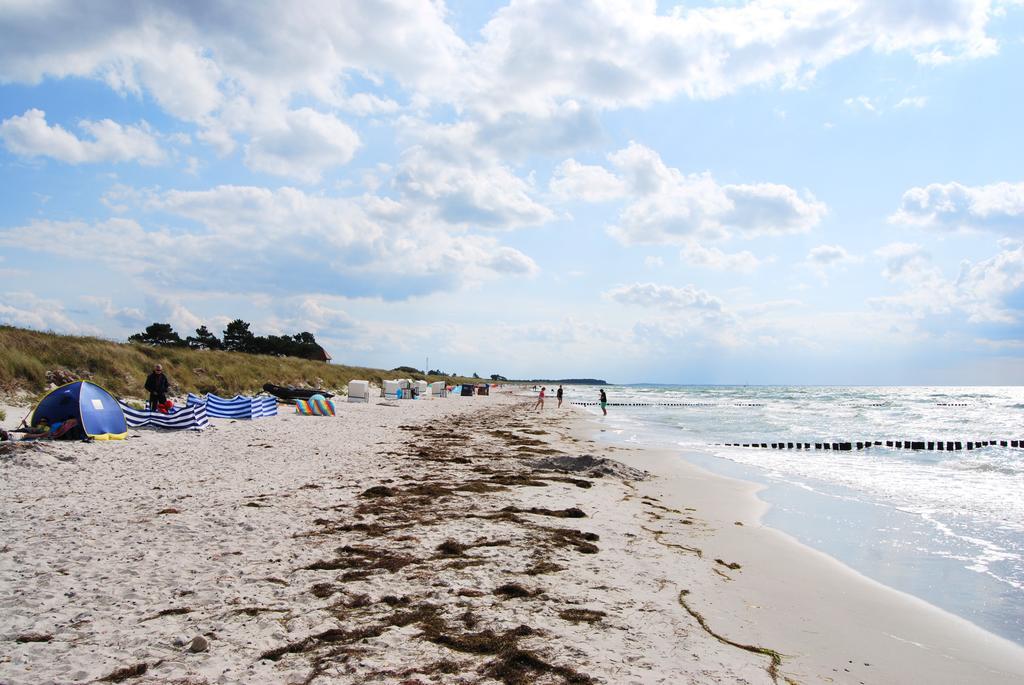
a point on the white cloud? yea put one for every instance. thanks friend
(307, 144)
(192, 56)
(1000, 344)
(665, 297)
(506, 260)
(318, 314)
(654, 262)
(902, 258)
(781, 325)
(125, 316)
(925, 289)
(771, 209)
(536, 80)
(173, 311)
(861, 102)
(876, 106)
(28, 135)
(997, 207)
(987, 291)
(668, 207)
(986, 285)
(565, 126)
(368, 104)
(825, 258)
(464, 187)
(282, 241)
(562, 333)
(714, 258)
(627, 54)
(28, 310)
(827, 255)
(591, 183)
(181, 78)
(218, 137)
(916, 102)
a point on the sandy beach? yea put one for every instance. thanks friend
(464, 540)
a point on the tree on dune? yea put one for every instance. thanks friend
(159, 335)
(238, 337)
(203, 340)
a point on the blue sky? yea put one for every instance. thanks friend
(713, 192)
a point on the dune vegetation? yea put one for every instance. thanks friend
(30, 361)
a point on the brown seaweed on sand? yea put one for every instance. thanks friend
(582, 615)
(774, 657)
(418, 496)
(122, 674)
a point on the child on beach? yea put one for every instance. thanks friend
(559, 396)
(540, 400)
(604, 403)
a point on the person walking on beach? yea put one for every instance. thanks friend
(604, 403)
(157, 385)
(559, 396)
(540, 400)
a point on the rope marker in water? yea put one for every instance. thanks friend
(916, 445)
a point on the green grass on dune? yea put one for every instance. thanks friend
(27, 356)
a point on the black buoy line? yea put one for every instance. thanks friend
(933, 445)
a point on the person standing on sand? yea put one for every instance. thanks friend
(559, 396)
(540, 400)
(604, 403)
(157, 385)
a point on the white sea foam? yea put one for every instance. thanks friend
(972, 502)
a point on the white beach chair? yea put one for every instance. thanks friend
(359, 391)
(391, 389)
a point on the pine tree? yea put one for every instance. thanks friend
(203, 340)
(238, 337)
(159, 335)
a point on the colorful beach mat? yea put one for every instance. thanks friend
(314, 407)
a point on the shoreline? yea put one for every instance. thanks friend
(432, 541)
(898, 634)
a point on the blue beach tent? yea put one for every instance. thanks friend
(98, 413)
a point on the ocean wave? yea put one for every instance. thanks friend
(1005, 469)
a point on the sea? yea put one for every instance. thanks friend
(945, 526)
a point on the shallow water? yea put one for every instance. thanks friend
(945, 526)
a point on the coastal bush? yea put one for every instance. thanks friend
(19, 364)
(26, 357)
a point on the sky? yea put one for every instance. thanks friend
(767, 192)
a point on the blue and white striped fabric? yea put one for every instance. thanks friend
(183, 418)
(237, 407)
